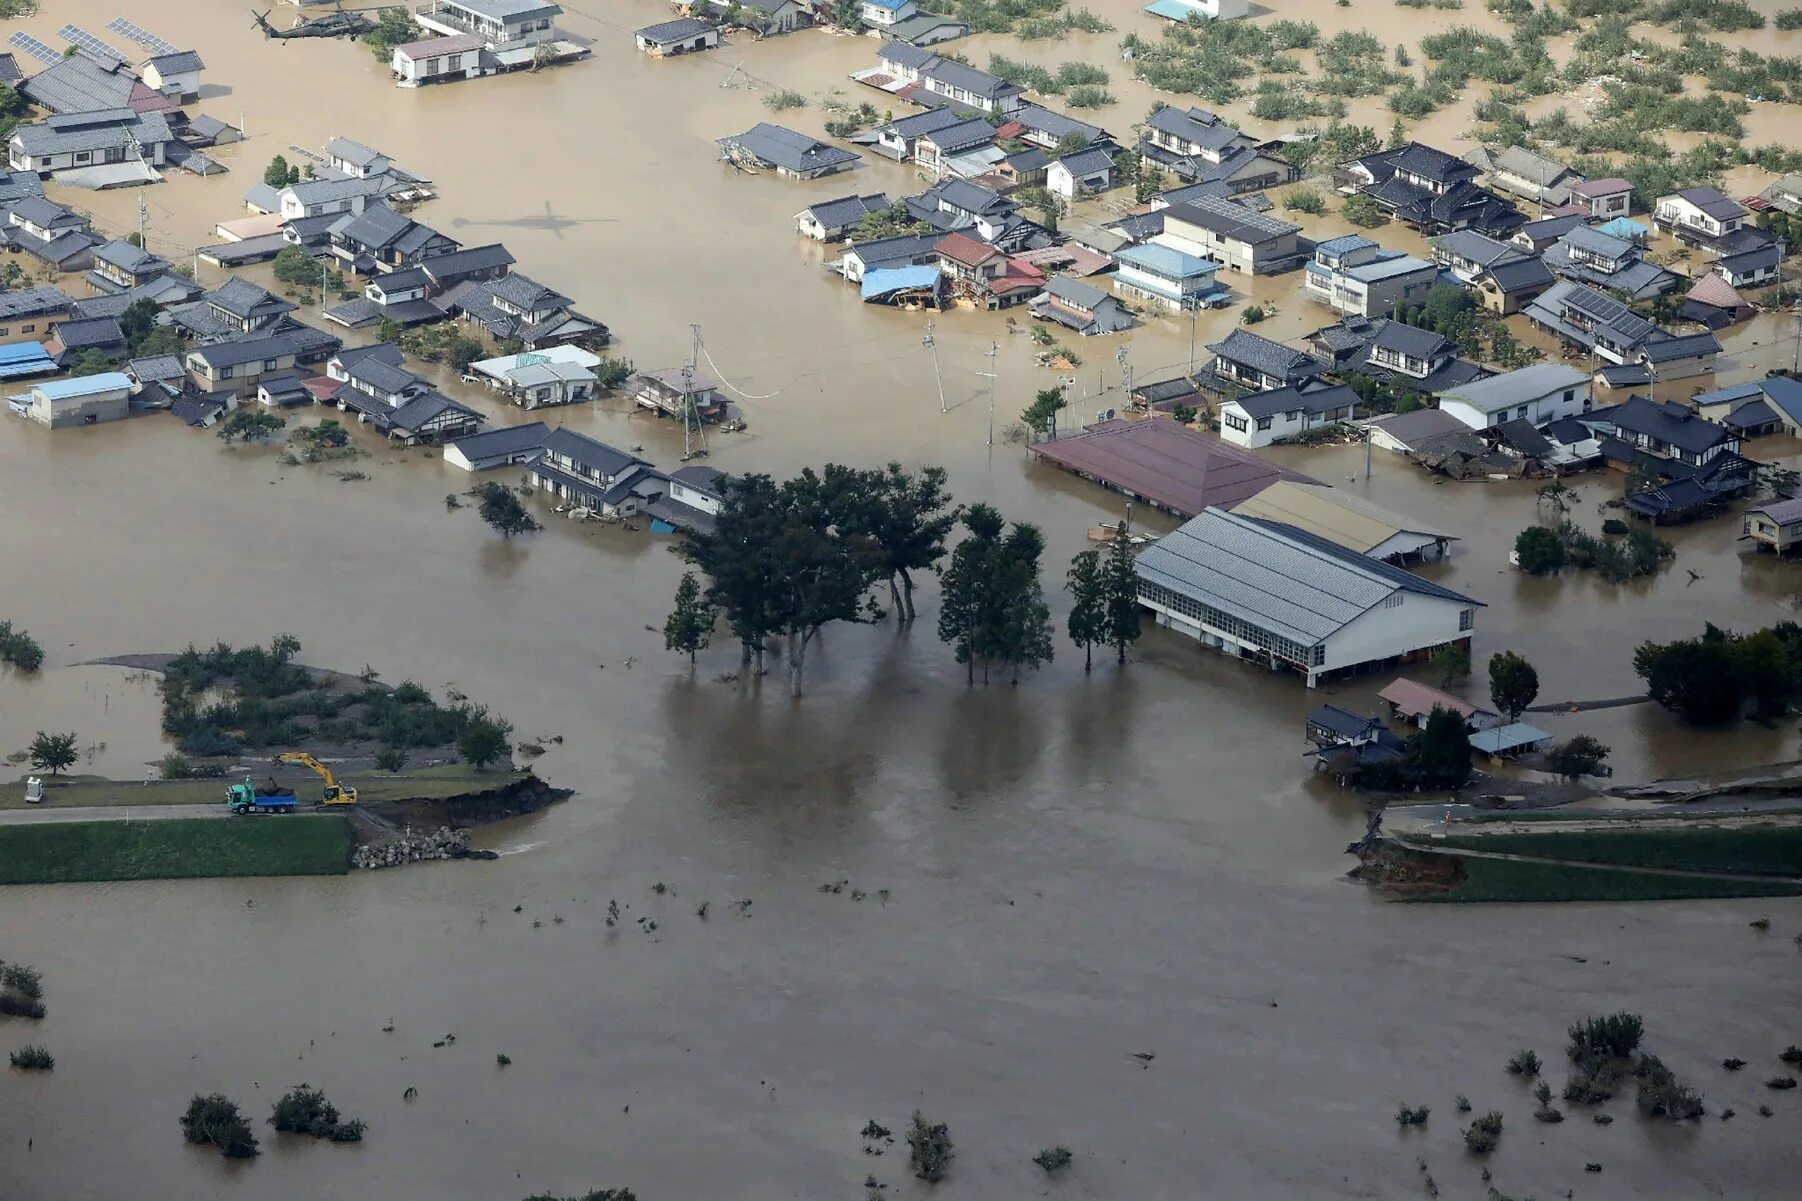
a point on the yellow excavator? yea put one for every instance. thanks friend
(335, 793)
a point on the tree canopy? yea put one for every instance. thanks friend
(52, 752)
(1539, 550)
(689, 627)
(993, 610)
(501, 509)
(1710, 679)
(785, 558)
(1513, 684)
(1087, 623)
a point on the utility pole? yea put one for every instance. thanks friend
(141, 216)
(994, 349)
(691, 425)
(1194, 308)
(1126, 372)
(937, 376)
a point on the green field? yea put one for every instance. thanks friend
(429, 783)
(178, 848)
(1504, 880)
(1752, 850)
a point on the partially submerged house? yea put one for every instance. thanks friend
(120, 266)
(675, 391)
(1402, 356)
(684, 35)
(1290, 600)
(1749, 268)
(1775, 525)
(1414, 432)
(786, 152)
(1772, 405)
(1081, 307)
(1250, 361)
(1527, 176)
(73, 338)
(27, 314)
(1234, 236)
(444, 59)
(1262, 418)
(955, 81)
(58, 237)
(1714, 302)
(84, 400)
(834, 220)
(1351, 521)
(111, 147)
(587, 474)
(1693, 464)
(236, 367)
(379, 239)
(1355, 275)
(1537, 394)
(558, 375)
(509, 446)
(1165, 276)
(1083, 173)
(1614, 264)
(1201, 149)
(1429, 190)
(1594, 321)
(174, 73)
(1701, 216)
(515, 306)
(1414, 702)
(1603, 198)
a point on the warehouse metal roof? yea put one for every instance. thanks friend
(1332, 513)
(1275, 576)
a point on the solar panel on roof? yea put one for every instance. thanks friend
(35, 48)
(140, 35)
(77, 36)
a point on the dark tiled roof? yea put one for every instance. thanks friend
(1306, 398)
(1271, 358)
(1669, 422)
(848, 210)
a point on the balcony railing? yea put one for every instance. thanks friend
(493, 31)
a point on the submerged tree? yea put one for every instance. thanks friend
(215, 1119)
(902, 519)
(52, 752)
(1120, 581)
(994, 610)
(250, 423)
(501, 509)
(1087, 623)
(786, 559)
(689, 627)
(1513, 684)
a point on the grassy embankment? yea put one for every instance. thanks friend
(178, 848)
(429, 783)
(1742, 851)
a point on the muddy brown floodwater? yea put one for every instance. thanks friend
(1077, 869)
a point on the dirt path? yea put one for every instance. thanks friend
(92, 813)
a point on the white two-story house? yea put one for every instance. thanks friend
(503, 24)
(1702, 215)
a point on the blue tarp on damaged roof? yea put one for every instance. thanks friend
(25, 358)
(884, 280)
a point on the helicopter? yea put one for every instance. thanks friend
(340, 23)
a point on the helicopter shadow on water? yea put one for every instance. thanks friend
(549, 221)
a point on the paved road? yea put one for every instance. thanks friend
(91, 813)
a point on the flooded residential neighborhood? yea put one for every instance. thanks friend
(1105, 910)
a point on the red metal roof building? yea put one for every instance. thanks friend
(1169, 466)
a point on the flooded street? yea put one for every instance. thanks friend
(1076, 869)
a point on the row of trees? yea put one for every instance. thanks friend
(787, 558)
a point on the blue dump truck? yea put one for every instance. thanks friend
(248, 798)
